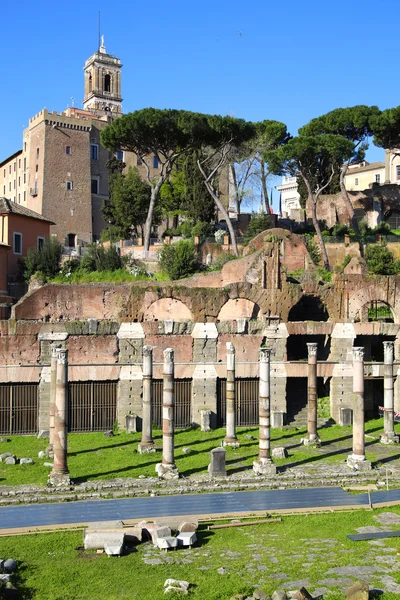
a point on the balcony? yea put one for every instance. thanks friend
(33, 191)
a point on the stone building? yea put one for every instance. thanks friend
(60, 172)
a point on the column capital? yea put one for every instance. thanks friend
(388, 351)
(358, 354)
(265, 354)
(54, 350)
(312, 348)
(148, 351)
(62, 356)
(230, 348)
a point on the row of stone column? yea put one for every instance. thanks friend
(264, 464)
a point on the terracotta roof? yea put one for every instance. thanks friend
(9, 207)
(369, 167)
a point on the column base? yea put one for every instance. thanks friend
(389, 438)
(59, 480)
(146, 447)
(315, 441)
(358, 463)
(167, 471)
(232, 442)
(264, 466)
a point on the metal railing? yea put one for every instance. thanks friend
(18, 408)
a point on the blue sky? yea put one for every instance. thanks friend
(291, 60)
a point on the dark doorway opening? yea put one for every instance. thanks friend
(308, 308)
(373, 345)
(296, 347)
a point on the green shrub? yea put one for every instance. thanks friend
(381, 261)
(46, 260)
(346, 261)
(340, 229)
(221, 259)
(258, 224)
(178, 260)
(313, 248)
(99, 258)
(202, 230)
(185, 229)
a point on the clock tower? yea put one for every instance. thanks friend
(103, 83)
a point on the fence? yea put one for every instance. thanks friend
(183, 402)
(247, 401)
(18, 408)
(92, 405)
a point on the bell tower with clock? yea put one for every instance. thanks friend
(103, 83)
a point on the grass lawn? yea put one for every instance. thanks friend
(310, 550)
(93, 456)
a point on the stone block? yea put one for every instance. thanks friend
(113, 549)
(94, 540)
(279, 595)
(217, 466)
(4, 456)
(187, 526)
(265, 467)
(10, 565)
(167, 472)
(10, 460)
(301, 594)
(279, 452)
(186, 539)
(96, 525)
(25, 461)
(358, 591)
(167, 542)
(158, 533)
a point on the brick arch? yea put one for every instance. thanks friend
(366, 295)
(168, 308)
(238, 308)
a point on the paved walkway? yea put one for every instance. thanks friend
(32, 516)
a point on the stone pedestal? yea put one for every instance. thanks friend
(59, 475)
(264, 465)
(146, 444)
(357, 459)
(217, 466)
(205, 420)
(230, 438)
(346, 417)
(131, 423)
(389, 436)
(167, 469)
(312, 438)
(277, 419)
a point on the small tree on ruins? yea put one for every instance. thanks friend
(314, 159)
(222, 140)
(166, 135)
(354, 124)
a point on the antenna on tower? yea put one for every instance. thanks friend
(98, 40)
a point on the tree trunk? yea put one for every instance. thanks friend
(149, 219)
(319, 234)
(225, 214)
(264, 187)
(350, 209)
(236, 188)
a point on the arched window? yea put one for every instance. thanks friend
(107, 83)
(90, 82)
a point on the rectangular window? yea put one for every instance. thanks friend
(37, 152)
(69, 185)
(9, 186)
(15, 166)
(356, 181)
(24, 197)
(37, 168)
(4, 173)
(67, 149)
(4, 190)
(24, 177)
(94, 151)
(25, 146)
(19, 198)
(19, 181)
(119, 155)
(377, 178)
(155, 162)
(9, 169)
(14, 184)
(19, 163)
(40, 243)
(397, 172)
(24, 164)
(95, 186)
(17, 243)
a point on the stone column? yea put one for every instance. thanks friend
(59, 475)
(147, 444)
(53, 379)
(230, 438)
(388, 436)
(264, 465)
(167, 468)
(357, 459)
(312, 438)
